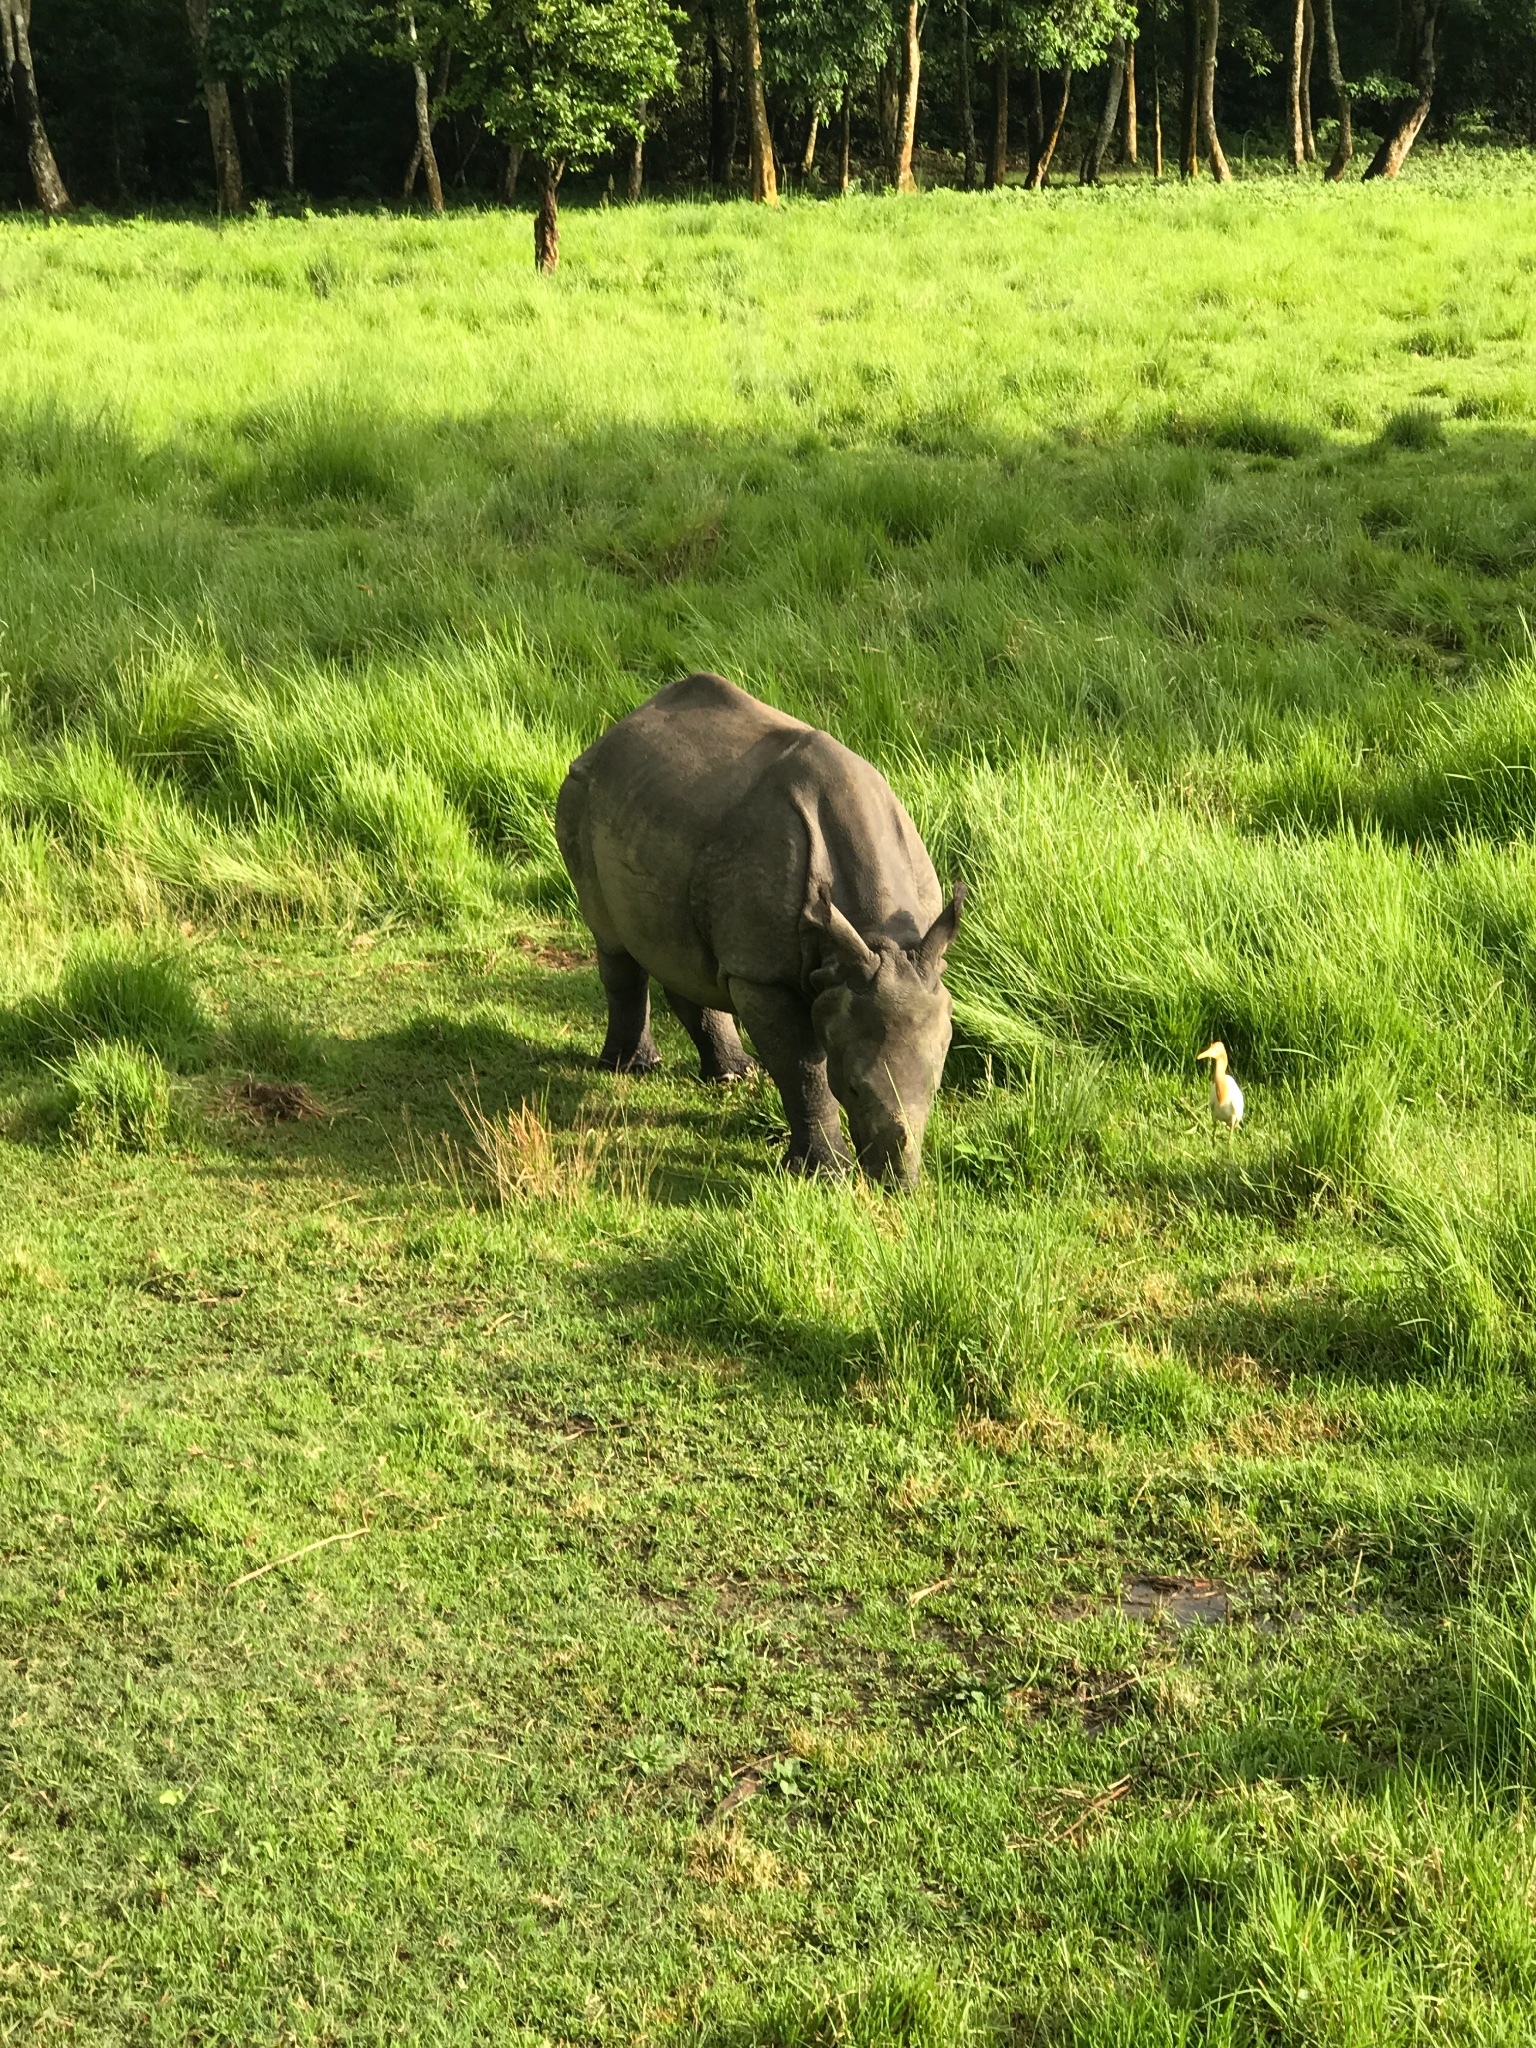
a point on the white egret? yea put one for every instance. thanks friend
(1226, 1096)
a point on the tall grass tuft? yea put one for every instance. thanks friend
(940, 1303)
(1031, 1133)
(906, 2009)
(116, 1097)
(1469, 1253)
(1335, 1132)
(1499, 1665)
(137, 991)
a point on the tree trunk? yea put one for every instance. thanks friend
(966, 93)
(425, 156)
(1210, 139)
(887, 84)
(510, 174)
(1034, 109)
(1293, 83)
(1129, 142)
(546, 222)
(1308, 52)
(52, 194)
(1409, 116)
(1098, 147)
(287, 85)
(845, 141)
(1039, 176)
(722, 125)
(906, 134)
(636, 182)
(221, 119)
(1189, 153)
(762, 178)
(997, 158)
(1344, 148)
(808, 156)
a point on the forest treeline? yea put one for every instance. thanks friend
(127, 103)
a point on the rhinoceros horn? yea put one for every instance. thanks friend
(850, 948)
(928, 953)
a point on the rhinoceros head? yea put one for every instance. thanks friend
(883, 1017)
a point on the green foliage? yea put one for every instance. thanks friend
(116, 1096)
(558, 77)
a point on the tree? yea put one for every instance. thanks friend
(911, 67)
(1210, 139)
(267, 41)
(965, 91)
(1098, 147)
(1421, 19)
(558, 79)
(21, 78)
(1064, 36)
(221, 119)
(1344, 147)
(817, 53)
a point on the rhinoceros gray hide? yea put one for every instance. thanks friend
(762, 872)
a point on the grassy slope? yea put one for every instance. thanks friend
(1171, 550)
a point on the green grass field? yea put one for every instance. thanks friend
(485, 1559)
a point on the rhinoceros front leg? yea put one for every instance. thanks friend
(629, 1047)
(779, 1024)
(722, 1057)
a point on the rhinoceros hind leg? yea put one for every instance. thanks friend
(722, 1056)
(779, 1022)
(629, 1047)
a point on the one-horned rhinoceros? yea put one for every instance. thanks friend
(761, 871)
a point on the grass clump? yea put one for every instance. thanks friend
(135, 991)
(895, 2009)
(939, 1303)
(1499, 1667)
(1335, 1131)
(266, 1040)
(116, 1097)
(1418, 429)
(1030, 1134)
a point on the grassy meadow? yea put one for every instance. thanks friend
(483, 1557)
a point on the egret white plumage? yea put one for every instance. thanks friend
(1226, 1096)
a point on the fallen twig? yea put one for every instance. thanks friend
(344, 1536)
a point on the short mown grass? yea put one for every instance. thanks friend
(488, 1557)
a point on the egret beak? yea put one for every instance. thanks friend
(1210, 1052)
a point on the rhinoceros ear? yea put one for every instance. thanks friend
(928, 953)
(851, 950)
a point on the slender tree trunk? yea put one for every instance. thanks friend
(1039, 177)
(844, 141)
(288, 156)
(1104, 135)
(221, 119)
(510, 173)
(425, 157)
(1129, 141)
(808, 157)
(1293, 83)
(546, 222)
(21, 74)
(1189, 153)
(911, 67)
(636, 181)
(1210, 139)
(966, 93)
(1034, 111)
(1344, 147)
(1308, 52)
(1410, 115)
(997, 158)
(762, 178)
(722, 126)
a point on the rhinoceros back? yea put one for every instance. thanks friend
(699, 829)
